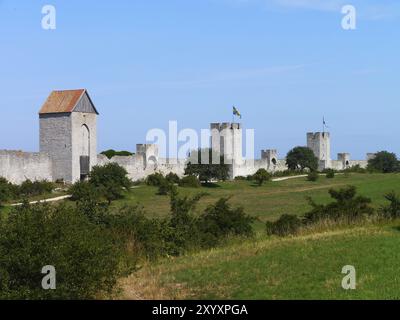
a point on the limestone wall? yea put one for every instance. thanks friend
(18, 166)
(136, 168)
(249, 167)
(340, 165)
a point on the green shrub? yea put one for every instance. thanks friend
(83, 190)
(392, 210)
(165, 188)
(347, 205)
(261, 176)
(220, 220)
(330, 173)
(286, 225)
(285, 173)
(6, 192)
(180, 232)
(110, 180)
(250, 177)
(356, 169)
(240, 178)
(35, 188)
(144, 234)
(313, 176)
(155, 179)
(112, 153)
(385, 162)
(190, 182)
(172, 178)
(86, 257)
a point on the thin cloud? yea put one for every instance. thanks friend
(233, 76)
(366, 9)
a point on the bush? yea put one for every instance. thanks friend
(165, 188)
(347, 205)
(180, 232)
(155, 179)
(261, 176)
(6, 192)
(190, 182)
(330, 173)
(356, 169)
(385, 162)
(392, 210)
(220, 220)
(250, 177)
(86, 257)
(313, 176)
(112, 153)
(240, 178)
(83, 190)
(110, 181)
(172, 178)
(36, 188)
(284, 173)
(144, 234)
(286, 225)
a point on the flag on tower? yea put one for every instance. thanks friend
(236, 112)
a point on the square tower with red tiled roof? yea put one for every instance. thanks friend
(68, 133)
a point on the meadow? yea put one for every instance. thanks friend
(272, 199)
(307, 266)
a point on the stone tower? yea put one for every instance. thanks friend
(271, 157)
(226, 140)
(320, 144)
(68, 134)
(344, 158)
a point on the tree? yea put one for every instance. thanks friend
(86, 256)
(112, 153)
(4, 191)
(110, 180)
(312, 176)
(384, 161)
(346, 205)
(300, 158)
(207, 172)
(261, 176)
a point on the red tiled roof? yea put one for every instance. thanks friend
(63, 101)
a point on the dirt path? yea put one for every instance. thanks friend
(45, 200)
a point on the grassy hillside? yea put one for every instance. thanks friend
(271, 200)
(304, 267)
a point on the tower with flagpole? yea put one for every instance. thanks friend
(320, 144)
(226, 139)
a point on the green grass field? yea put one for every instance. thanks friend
(272, 199)
(303, 267)
(307, 266)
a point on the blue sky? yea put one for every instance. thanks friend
(284, 63)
